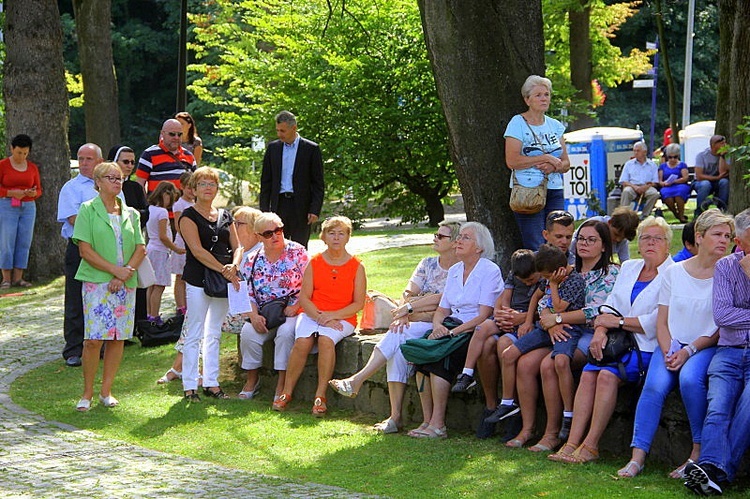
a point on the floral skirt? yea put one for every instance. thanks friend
(107, 316)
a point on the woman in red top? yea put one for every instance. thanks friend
(333, 291)
(19, 187)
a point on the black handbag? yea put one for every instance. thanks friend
(214, 284)
(152, 334)
(620, 342)
(272, 311)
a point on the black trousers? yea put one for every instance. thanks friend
(73, 321)
(296, 227)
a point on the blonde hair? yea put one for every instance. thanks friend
(334, 222)
(203, 173)
(651, 221)
(711, 218)
(103, 169)
(455, 228)
(246, 214)
(264, 218)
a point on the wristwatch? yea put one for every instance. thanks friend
(558, 319)
(622, 322)
(409, 308)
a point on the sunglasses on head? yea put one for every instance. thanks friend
(269, 233)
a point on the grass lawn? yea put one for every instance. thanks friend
(339, 450)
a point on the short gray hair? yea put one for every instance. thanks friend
(535, 81)
(640, 145)
(742, 223)
(484, 238)
(672, 150)
(286, 117)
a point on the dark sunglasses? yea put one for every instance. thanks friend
(174, 134)
(438, 235)
(128, 161)
(673, 157)
(269, 233)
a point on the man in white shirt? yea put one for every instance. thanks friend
(712, 173)
(638, 179)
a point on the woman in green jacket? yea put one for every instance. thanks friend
(111, 244)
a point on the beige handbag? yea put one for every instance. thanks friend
(376, 314)
(528, 200)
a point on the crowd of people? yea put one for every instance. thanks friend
(550, 319)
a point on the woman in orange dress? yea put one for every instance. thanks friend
(333, 291)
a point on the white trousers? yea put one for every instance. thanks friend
(251, 345)
(203, 322)
(397, 367)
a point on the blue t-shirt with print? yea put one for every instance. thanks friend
(545, 139)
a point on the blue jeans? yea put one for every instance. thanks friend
(531, 226)
(727, 423)
(16, 231)
(703, 188)
(660, 382)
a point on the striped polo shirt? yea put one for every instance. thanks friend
(157, 164)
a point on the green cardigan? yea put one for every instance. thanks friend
(93, 226)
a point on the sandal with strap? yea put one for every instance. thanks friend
(166, 378)
(218, 394)
(319, 407)
(547, 444)
(83, 405)
(192, 396)
(387, 426)
(418, 430)
(343, 387)
(280, 403)
(578, 458)
(565, 451)
(432, 432)
(5, 285)
(680, 471)
(631, 470)
(22, 284)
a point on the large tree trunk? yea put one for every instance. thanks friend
(580, 59)
(664, 53)
(733, 101)
(36, 103)
(93, 18)
(481, 53)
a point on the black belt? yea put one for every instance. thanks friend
(287, 195)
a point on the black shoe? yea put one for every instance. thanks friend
(565, 430)
(464, 383)
(513, 426)
(192, 396)
(485, 430)
(502, 412)
(701, 481)
(73, 361)
(219, 394)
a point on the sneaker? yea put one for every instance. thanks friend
(565, 430)
(502, 412)
(485, 430)
(464, 383)
(513, 425)
(699, 480)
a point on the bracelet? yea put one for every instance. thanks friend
(691, 350)
(130, 268)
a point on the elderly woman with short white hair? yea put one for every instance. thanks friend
(471, 289)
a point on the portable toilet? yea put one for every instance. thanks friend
(694, 139)
(597, 155)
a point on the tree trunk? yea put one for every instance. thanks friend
(733, 102)
(664, 53)
(36, 103)
(481, 53)
(101, 111)
(580, 60)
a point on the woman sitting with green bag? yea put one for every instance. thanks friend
(472, 287)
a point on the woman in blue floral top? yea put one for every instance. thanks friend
(594, 262)
(274, 271)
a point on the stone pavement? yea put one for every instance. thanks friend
(40, 458)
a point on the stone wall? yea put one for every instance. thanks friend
(672, 443)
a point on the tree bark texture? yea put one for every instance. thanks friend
(36, 103)
(580, 59)
(481, 53)
(733, 101)
(93, 18)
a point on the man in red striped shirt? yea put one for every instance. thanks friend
(165, 161)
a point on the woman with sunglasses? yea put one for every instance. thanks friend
(274, 271)
(209, 235)
(109, 237)
(412, 318)
(673, 178)
(333, 291)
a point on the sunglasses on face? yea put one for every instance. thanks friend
(673, 157)
(269, 233)
(128, 161)
(174, 134)
(440, 236)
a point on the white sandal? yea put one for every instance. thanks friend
(247, 395)
(165, 379)
(108, 401)
(83, 405)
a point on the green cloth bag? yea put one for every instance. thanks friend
(422, 351)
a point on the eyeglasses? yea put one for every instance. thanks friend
(438, 235)
(588, 240)
(174, 134)
(112, 179)
(237, 222)
(268, 234)
(464, 237)
(673, 157)
(647, 239)
(203, 185)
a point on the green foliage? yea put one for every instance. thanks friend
(741, 153)
(356, 75)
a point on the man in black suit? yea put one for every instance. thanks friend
(291, 183)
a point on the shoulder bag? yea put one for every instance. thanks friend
(620, 342)
(528, 200)
(214, 284)
(376, 313)
(272, 311)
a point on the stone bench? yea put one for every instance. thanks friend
(672, 443)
